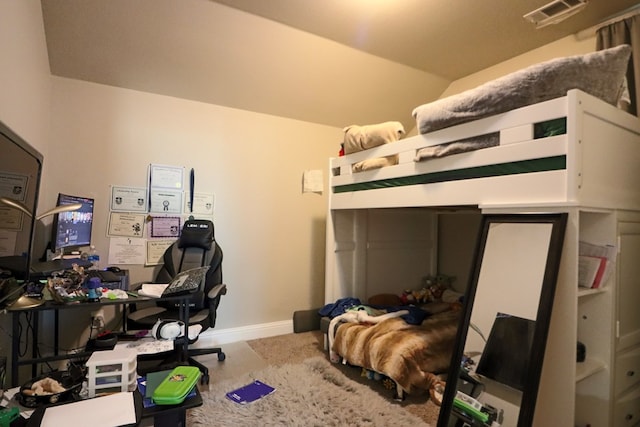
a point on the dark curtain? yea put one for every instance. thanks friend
(625, 31)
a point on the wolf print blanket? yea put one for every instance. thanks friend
(410, 355)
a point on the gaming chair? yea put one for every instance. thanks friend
(195, 248)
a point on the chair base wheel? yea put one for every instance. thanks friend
(221, 356)
(204, 380)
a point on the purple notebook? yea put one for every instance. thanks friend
(250, 392)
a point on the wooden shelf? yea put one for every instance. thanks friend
(587, 368)
(589, 291)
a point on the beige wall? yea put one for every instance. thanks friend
(271, 233)
(94, 136)
(24, 89)
(24, 72)
(564, 47)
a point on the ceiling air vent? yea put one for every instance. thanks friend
(554, 12)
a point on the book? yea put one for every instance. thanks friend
(250, 392)
(591, 271)
(595, 264)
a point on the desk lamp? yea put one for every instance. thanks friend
(25, 301)
(23, 208)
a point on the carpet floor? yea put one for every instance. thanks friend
(295, 348)
(310, 393)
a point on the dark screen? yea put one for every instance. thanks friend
(506, 355)
(72, 230)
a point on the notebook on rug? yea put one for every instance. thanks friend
(250, 392)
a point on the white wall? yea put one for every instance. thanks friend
(272, 234)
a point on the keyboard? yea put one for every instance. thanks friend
(186, 282)
(48, 267)
(103, 275)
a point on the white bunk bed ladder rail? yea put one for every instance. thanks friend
(574, 151)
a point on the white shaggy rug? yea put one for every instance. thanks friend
(312, 393)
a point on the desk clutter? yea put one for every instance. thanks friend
(111, 371)
(53, 387)
(108, 376)
(77, 284)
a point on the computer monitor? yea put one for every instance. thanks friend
(72, 230)
(506, 355)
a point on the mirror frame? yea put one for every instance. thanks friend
(543, 314)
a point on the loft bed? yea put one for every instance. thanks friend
(572, 166)
(530, 147)
(529, 134)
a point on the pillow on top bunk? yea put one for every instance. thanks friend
(600, 74)
(358, 138)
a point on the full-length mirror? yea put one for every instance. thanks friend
(495, 370)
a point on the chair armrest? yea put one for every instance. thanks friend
(217, 290)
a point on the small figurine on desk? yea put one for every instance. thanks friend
(93, 285)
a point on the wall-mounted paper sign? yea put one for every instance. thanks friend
(165, 226)
(166, 201)
(125, 250)
(202, 204)
(155, 251)
(10, 219)
(129, 199)
(126, 224)
(312, 181)
(13, 186)
(169, 177)
(7, 242)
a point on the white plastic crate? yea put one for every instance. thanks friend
(111, 371)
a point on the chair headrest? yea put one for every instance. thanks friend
(196, 233)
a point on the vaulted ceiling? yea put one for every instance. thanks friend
(335, 62)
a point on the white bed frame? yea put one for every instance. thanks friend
(606, 163)
(377, 241)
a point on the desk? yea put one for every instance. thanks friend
(172, 415)
(36, 359)
(163, 416)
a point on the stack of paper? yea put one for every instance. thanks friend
(107, 411)
(153, 290)
(595, 264)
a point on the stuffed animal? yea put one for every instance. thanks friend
(43, 387)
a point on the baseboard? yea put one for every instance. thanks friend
(215, 337)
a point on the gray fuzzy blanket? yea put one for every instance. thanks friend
(600, 74)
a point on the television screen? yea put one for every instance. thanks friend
(72, 230)
(506, 354)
